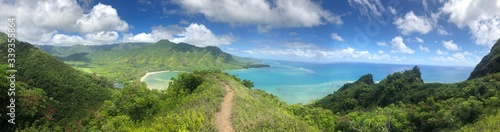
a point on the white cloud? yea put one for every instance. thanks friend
(275, 13)
(381, 44)
(184, 22)
(412, 23)
(392, 10)
(449, 45)
(141, 37)
(199, 35)
(425, 4)
(314, 53)
(396, 58)
(107, 37)
(419, 40)
(157, 33)
(459, 55)
(481, 16)
(439, 52)
(104, 37)
(370, 8)
(195, 34)
(162, 32)
(464, 58)
(300, 45)
(399, 46)
(442, 31)
(308, 51)
(51, 14)
(381, 52)
(48, 21)
(62, 39)
(423, 48)
(101, 18)
(264, 29)
(335, 36)
(486, 31)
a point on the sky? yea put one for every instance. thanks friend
(429, 32)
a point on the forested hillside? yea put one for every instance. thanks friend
(129, 61)
(490, 63)
(403, 102)
(64, 51)
(48, 92)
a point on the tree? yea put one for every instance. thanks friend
(247, 83)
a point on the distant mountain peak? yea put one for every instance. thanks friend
(366, 79)
(490, 63)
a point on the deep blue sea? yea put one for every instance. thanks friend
(300, 82)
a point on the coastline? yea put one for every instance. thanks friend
(156, 72)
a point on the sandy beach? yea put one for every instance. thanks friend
(149, 73)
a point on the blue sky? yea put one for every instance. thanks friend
(432, 32)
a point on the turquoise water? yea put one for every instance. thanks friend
(160, 80)
(298, 82)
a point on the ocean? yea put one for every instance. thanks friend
(301, 82)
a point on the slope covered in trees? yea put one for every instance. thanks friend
(49, 92)
(64, 51)
(403, 102)
(190, 104)
(129, 61)
(490, 63)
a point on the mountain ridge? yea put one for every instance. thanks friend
(129, 61)
(490, 63)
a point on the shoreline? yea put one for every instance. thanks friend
(156, 72)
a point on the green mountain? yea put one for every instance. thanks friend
(167, 55)
(130, 61)
(64, 51)
(489, 64)
(48, 91)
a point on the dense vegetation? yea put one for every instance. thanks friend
(130, 61)
(64, 51)
(403, 102)
(53, 96)
(190, 104)
(49, 92)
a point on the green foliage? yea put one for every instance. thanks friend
(164, 55)
(323, 119)
(183, 107)
(130, 61)
(256, 110)
(487, 124)
(389, 118)
(65, 51)
(247, 83)
(415, 106)
(74, 94)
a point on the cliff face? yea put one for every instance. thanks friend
(489, 64)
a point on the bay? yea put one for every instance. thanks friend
(301, 82)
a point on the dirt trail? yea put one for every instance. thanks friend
(223, 117)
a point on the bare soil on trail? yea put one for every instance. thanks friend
(223, 117)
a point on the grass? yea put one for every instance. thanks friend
(80, 65)
(487, 124)
(195, 112)
(256, 110)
